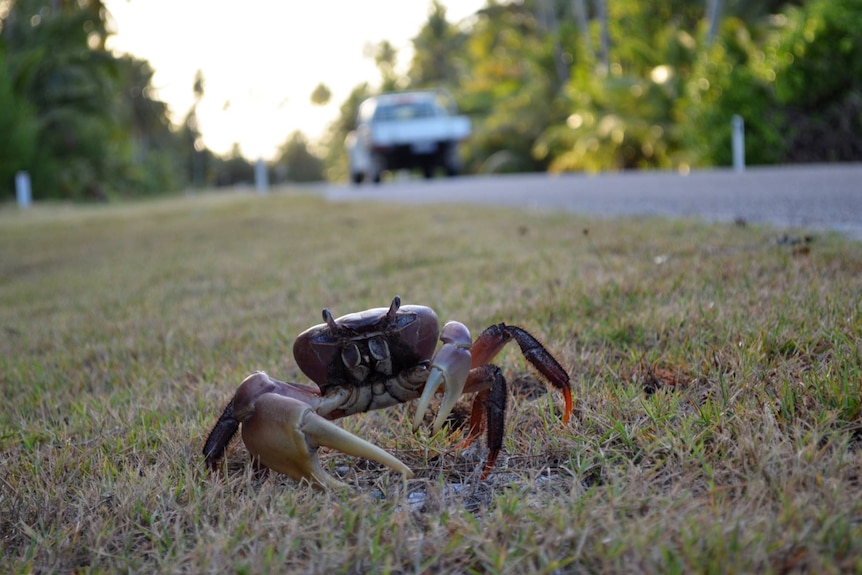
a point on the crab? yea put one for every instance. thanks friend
(368, 360)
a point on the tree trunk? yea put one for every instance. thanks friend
(604, 40)
(713, 15)
(546, 16)
(580, 9)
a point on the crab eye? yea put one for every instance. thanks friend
(350, 356)
(378, 348)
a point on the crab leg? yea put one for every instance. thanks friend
(492, 340)
(449, 369)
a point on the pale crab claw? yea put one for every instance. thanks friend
(449, 368)
(284, 434)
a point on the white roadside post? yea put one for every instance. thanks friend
(261, 181)
(22, 189)
(738, 128)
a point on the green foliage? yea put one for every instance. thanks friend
(725, 81)
(540, 88)
(818, 55)
(386, 56)
(152, 150)
(157, 171)
(321, 95)
(510, 91)
(796, 83)
(19, 132)
(543, 94)
(436, 49)
(83, 121)
(817, 59)
(335, 161)
(621, 118)
(69, 86)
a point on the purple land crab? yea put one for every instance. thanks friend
(370, 360)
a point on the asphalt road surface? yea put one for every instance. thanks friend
(820, 197)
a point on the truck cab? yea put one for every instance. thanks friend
(406, 130)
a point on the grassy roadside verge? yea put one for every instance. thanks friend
(718, 384)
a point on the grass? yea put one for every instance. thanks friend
(717, 376)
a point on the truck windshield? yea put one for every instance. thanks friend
(405, 111)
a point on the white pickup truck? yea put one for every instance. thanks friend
(406, 130)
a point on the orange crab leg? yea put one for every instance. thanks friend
(491, 342)
(488, 411)
(489, 385)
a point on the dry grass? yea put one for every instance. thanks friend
(718, 383)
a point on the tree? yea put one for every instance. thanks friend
(723, 83)
(604, 36)
(817, 63)
(713, 16)
(436, 52)
(231, 170)
(301, 165)
(335, 161)
(511, 89)
(192, 135)
(68, 82)
(154, 149)
(621, 113)
(385, 56)
(321, 95)
(548, 20)
(97, 128)
(795, 79)
(579, 7)
(651, 85)
(20, 132)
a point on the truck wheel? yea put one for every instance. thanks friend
(357, 178)
(428, 171)
(452, 162)
(378, 164)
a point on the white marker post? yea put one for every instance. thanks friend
(738, 138)
(22, 189)
(261, 181)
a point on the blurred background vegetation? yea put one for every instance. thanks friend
(558, 85)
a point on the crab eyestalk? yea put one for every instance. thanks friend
(330, 321)
(393, 309)
(449, 369)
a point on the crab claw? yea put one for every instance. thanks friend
(284, 434)
(449, 368)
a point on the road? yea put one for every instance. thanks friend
(820, 197)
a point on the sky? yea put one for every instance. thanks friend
(261, 59)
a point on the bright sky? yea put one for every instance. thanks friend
(261, 59)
